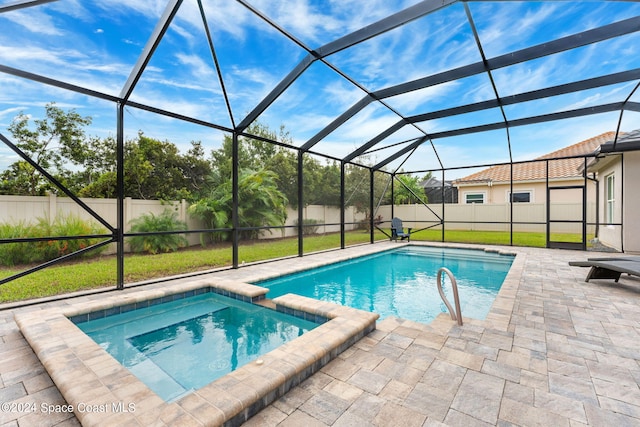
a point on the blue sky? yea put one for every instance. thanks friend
(95, 44)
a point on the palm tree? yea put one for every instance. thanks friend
(260, 203)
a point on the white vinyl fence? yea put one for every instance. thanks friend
(488, 217)
(29, 209)
(457, 216)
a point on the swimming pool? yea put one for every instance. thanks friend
(402, 282)
(180, 346)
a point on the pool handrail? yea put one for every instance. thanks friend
(455, 314)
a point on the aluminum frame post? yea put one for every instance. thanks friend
(342, 207)
(120, 196)
(300, 203)
(235, 234)
(371, 207)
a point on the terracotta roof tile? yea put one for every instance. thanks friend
(564, 168)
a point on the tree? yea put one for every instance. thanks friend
(153, 169)
(357, 187)
(87, 166)
(98, 178)
(260, 203)
(196, 169)
(253, 154)
(406, 190)
(54, 142)
(321, 182)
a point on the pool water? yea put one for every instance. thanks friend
(402, 282)
(180, 346)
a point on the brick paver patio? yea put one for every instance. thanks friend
(555, 351)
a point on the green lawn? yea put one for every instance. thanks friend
(100, 272)
(538, 240)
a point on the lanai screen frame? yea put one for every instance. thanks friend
(421, 9)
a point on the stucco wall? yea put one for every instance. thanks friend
(499, 193)
(631, 207)
(610, 234)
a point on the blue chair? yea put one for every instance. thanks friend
(397, 231)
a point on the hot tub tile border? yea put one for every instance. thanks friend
(73, 360)
(95, 313)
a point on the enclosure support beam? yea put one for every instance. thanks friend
(578, 86)
(23, 4)
(371, 206)
(563, 44)
(154, 40)
(622, 186)
(443, 204)
(393, 195)
(584, 206)
(511, 204)
(120, 195)
(235, 235)
(548, 203)
(543, 118)
(342, 207)
(300, 204)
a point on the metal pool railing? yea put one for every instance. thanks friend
(455, 314)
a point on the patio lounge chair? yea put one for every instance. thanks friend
(397, 231)
(612, 268)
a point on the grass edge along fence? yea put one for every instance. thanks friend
(100, 272)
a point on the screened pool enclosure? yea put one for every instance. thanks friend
(347, 105)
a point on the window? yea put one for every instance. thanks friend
(474, 198)
(610, 198)
(521, 197)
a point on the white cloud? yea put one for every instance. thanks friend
(224, 16)
(425, 98)
(7, 157)
(355, 14)
(151, 9)
(496, 33)
(209, 108)
(34, 20)
(196, 86)
(10, 111)
(365, 125)
(198, 67)
(73, 8)
(423, 47)
(342, 94)
(185, 33)
(19, 56)
(304, 20)
(533, 141)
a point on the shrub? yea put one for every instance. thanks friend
(309, 226)
(155, 243)
(16, 253)
(41, 251)
(69, 225)
(365, 224)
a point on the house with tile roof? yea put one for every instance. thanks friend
(610, 196)
(562, 167)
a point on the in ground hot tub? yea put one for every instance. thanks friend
(102, 392)
(179, 346)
